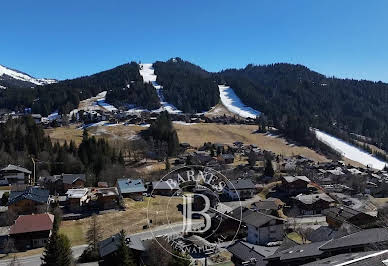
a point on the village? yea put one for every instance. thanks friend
(276, 210)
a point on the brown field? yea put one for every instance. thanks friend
(196, 135)
(131, 220)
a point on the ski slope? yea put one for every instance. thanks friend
(233, 103)
(148, 74)
(349, 151)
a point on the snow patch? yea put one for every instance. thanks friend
(183, 123)
(350, 151)
(233, 103)
(24, 77)
(148, 74)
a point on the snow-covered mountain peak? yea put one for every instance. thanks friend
(8, 74)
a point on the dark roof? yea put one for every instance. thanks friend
(130, 185)
(259, 219)
(240, 212)
(109, 245)
(227, 156)
(30, 193)
(269, 204)
(240, 184)
(291, 179)
(71, 178)
(12, 167)
(342, 213)
(32, 223)
(362, 238)
(369, 258)
(245, 252)
(300, 251)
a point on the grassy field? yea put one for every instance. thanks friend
(196, 135)
(131, 220)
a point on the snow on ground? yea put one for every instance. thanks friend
(148, 74)
(350, 151)
(183, 123)
(24, 77)
(95, 103)
(233, 103)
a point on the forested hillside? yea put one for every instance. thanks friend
(21, 139)
(187, 86)
(286, 93)
(123, 84)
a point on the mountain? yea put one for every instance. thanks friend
(10, 78)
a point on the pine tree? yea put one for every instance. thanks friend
(268, 171)
(58, 249)
(94, 233)
(123, 255)
(167, 163)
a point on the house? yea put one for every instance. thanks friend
(294, 185)
(239, 189)
(163, 188)
(77, 198)
(13, 174)
(313, 204)
(61, 183)
(263, 228)
(29, 200)
(269, 206)
(32, 231)
(358, 242)
(131, 188)
(108, 247)
(244, 253)
(226, 158)
(375, 258)
(107, 198)
(336, 216)
(73, 181)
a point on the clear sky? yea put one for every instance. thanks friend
(69, 38)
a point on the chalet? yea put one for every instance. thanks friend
(226, 158)
(163, 188)
(313, 204)
(108, 247)
(107, 198)
(61, 183)
(294, 185)
(13, 174)
(77, 198)
(263, 228)
(375, 258)
(32, 231)
(269, 206)
(131, 188)
(28, 201)
(336, 216)
(355, 243)
(244, 253)
(73, 181)
(239, 189)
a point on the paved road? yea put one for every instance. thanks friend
(34, 260)
(163, 230)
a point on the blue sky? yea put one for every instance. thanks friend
(65, 39)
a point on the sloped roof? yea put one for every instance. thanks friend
(12, 167)
(71, 178)
(291, 179)
(364, 237)
(32, 223)
(109, 245)
(30, 193)
(312, 198)
(246, 251)
(76, 193)
(130, 185)
(162, 185)
(342, 213)
(258, 219)
(300, 251)
(240, 184)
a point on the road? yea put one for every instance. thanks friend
(34, 260)
(163, 230)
